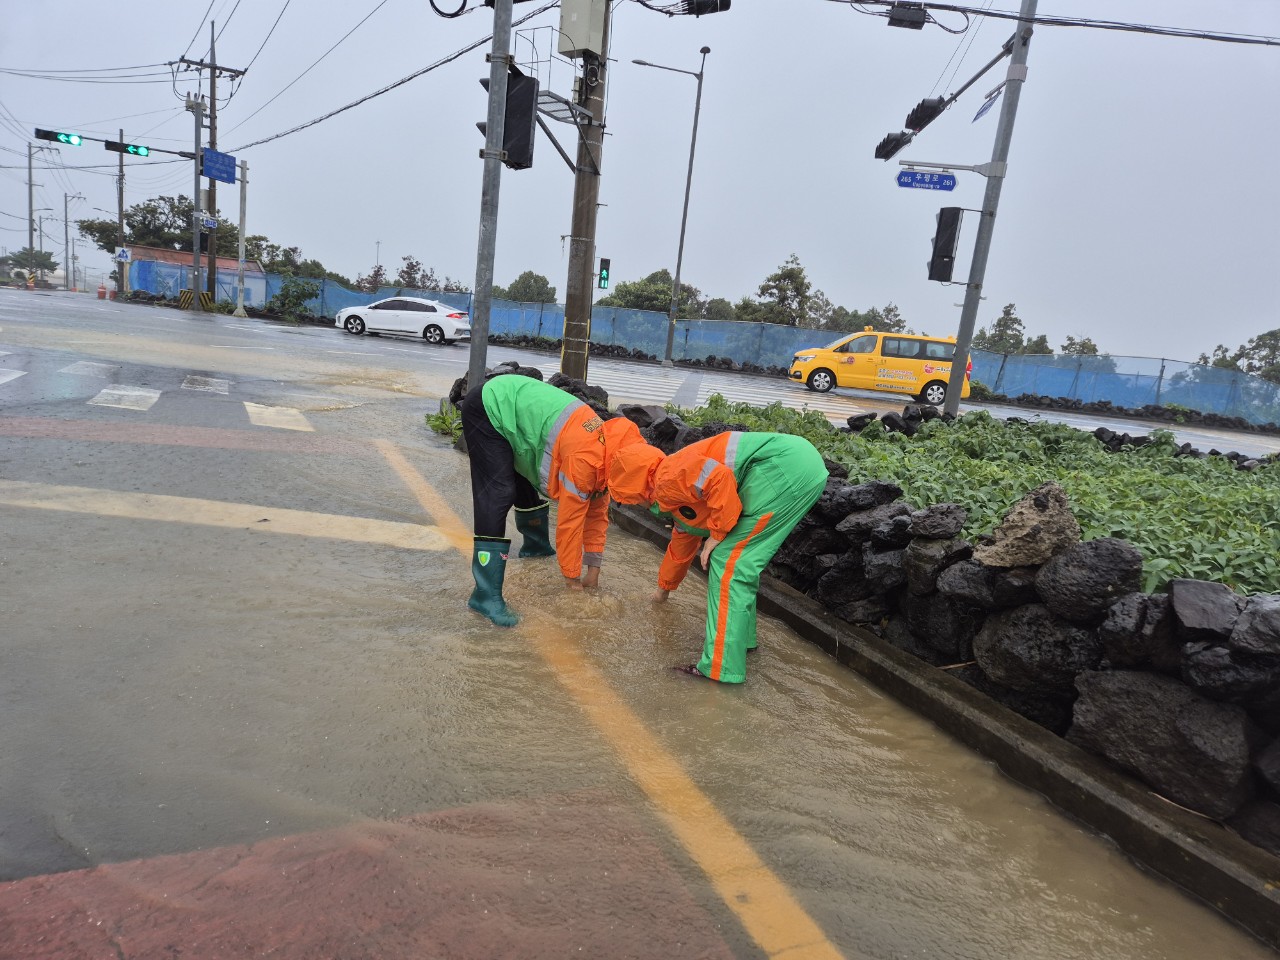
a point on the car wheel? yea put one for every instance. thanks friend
(354, 325)
(821, 380)
(433, 334)
(934, 393)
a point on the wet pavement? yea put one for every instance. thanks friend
(247, 712)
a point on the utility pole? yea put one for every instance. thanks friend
(31, 198)
(586, 196)
(482, 299)
(122, 270)
(214, 72)
(196, 105)
(1014, 80)
(66, 238)
(244, 190)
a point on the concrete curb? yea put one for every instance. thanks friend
(1234, 877)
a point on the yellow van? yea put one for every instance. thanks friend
(875, 360)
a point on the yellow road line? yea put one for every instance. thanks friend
(761, 901)
(215, 513)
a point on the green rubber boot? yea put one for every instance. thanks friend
(535, 525)
(489, 566)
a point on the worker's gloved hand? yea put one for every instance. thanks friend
(660, 595)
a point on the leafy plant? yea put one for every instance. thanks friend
(447, 422)
(293, 296)
(1190, 517)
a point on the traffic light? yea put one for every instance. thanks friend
(925, 112)
(520, 119)
(945, 241)
(700, 7)
(891, 144)
(137, 149)
(603, 281)
(71, 139)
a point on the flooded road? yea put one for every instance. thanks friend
(236, 664)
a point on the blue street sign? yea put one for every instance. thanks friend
(218, 166)
(922, 180)
(209, 223)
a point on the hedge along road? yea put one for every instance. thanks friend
(251, 695)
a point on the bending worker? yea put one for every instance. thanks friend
(743, 492)
(524, 436)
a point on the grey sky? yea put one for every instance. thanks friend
(1141, 207)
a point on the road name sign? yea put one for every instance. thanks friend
(218, 166)
(923, 180)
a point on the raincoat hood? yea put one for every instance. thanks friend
(632, 473)
(618, 433)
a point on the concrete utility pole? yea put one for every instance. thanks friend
(482, 299)
(66, 238)
(196, 105)
(244, 189)
(586, 196)
(31, 198)
(214, 71)
(122, 269)
(1014, 80)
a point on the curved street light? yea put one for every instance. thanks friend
(684, 216)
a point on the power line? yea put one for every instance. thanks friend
(198, 28)
(401, 82)
(269, 33)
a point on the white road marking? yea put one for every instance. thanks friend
(127, 398)
(238, 346)
(7, 375)
(87, 368)
(5, 353)
(283, 418)
(207, 384)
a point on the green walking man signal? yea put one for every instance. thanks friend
(137, 149)
(71, 139)
(603, 282)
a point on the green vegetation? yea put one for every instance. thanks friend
(1190, 517)
(448, 422)
(293, 296)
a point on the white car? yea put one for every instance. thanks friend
(431, 320)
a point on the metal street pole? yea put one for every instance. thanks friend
(688, 182)
(482, 299)
(212, 268)
(66, 237)
(196, 105)
(1014, 80)
(244, 189)
(122, 270)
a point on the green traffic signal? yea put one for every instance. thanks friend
(137, 149)
(71, 139)
(604, 273)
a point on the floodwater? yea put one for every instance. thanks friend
(202, 696)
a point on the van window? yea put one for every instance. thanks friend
(893, 347)
(940, 351)
(859, 345)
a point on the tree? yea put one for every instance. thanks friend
(1260, 356)
(819, 312)
(1084, 347)
(719, 309)
(163, 222)
(529, 287)
(785, 294)
(1006, 334)
(411, 274)
(376, 279)
(1037, 345)
(654, 293)
(33, 261)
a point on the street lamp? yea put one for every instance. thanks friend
(684, 216)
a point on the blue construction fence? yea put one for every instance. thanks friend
(1123, 381)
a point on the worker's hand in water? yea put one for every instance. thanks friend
(591, 576)
(660, 595)
(573, 583)
(710, 544)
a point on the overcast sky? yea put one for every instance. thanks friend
(1142, 206)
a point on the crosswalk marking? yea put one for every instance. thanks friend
(127, 398)
(207, 384)
(7, 375)
(87, 368)
(282, 418)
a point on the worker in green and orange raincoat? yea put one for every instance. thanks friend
(743, 492)
(525, 436)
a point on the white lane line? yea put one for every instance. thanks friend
(354, 353)
(87, 368)
(282, 418)
(238, 346)
(127, 398)
(207, 384)
(7, 375)
(5, 353)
